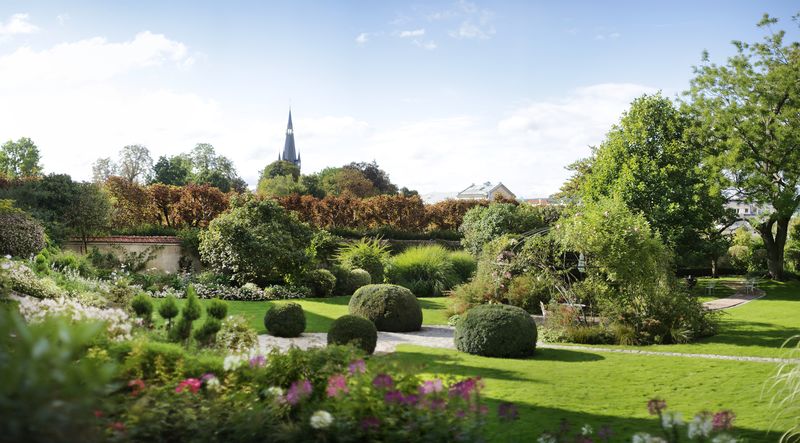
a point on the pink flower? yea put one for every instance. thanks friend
(192, 383)
(298, 391)
(98, 413)
(464, 388)
(370, 423)
(258, 361)
(337, 384)
(117, 426)
(723, 420)
(431, 386)
(383, 381)
(655, 406)
(137, 386)
(357, 367)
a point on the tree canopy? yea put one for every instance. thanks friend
(20, 159)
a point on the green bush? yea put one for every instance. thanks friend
(23, 280)
(530, 291)
(320, 281)
(391, 308)
(366, 254)
(286, 320)
(496, 331)
(464, 264)
(20, 234)
(64, 260)
(206, 334)
(353, 330)
(426, 270)
(191, 310)
(142, 306)
(168, 309)
(324, 246)
(348, 281)
(217, 309)
(236, 335)
(258, 241)
(483, 224)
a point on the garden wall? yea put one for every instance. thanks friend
(167, 249)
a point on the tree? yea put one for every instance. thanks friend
(377, 176)
(338, 181)
(215, 170)
(483, 224)
(135, 164)
(165, 199)
(199, 204)
(20, 159)
(175, 170)
(747, 114)
(258, 241)
(89, 213)
(280, 186)
(650, 164)
(279, 168)
(102, 169)
(131, 203)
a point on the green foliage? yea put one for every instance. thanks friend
(236, 335)
(353, 330)
(207, 332)
(72, 261)
(166, 362)
(324, 246)
(52, 380)
(747, 252)
(142, 306)
(496, 331)
(320, 281)
(428, 271)
(483, 224)
(391, 308)
(217, 309)
(23, 280)
(20, 159)
(527, 291)
(258, 241)
(168, 309)
(191, 309)
(464, 264)
(280, 168)
(20, 234)
(347, 281)
(370, 255)
(286, 320)
(377, 176)
(747, 114)
(280, 186)
(175, 170)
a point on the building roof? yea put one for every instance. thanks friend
(483, 189)
(289, 151)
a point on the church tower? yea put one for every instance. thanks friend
(289, 152)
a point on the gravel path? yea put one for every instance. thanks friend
(442, 337)
(740, 297)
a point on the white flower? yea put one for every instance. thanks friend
(321, 419)
(275, 391)
(643, 437)
(546, 438)
(671, 419)
(587, 430)
(723, 438)
(233, 362)
(700, 426)
(213, 384)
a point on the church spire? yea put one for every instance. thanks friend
(289, 151)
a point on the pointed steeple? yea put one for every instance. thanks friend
(289, 151)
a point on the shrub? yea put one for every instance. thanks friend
(391, 308)
(496, 331)
(321, 282)
(191, 310)
(168, 309)
(286, 320)
(23, 280)
(590, 335)
(484, 224)
(466, 295)
(258, 241)
(528, 291)
(366, 254)
(347, 281)
(143, 307)
(207, 332)
(217, 309)
(20, 234)
(236, 335)
(464, 264)
(426, 270)
(353, 330)
(324, 246)
(65, 260)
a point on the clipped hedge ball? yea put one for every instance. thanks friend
(353, 330)
(496, 331)
(285, 320)
(392, 308)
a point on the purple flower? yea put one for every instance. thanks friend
(337, 384)
(436, 404)
(508, 411)
(357, 367)
(370, 423)
(604, 433)
(410, 400)
(723, 420)
(393, 396)
(298, 391)
(431, 386)
(464, 388)
(383, 381)
(258, 361)
(207, 376)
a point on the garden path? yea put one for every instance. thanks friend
(740, 297)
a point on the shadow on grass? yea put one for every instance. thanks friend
(565, 355)
(430, 304)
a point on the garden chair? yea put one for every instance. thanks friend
(750, 286)
(710, 286)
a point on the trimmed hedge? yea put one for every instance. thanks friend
(20, 234)
(354, 330)
(391, 308)
(285, 320)
(496, 331)
(347, 281)
(321, 282)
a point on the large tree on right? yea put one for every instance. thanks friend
(747, 114)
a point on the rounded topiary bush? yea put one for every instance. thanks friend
(392, 308)
(496, 331)
(348, 281)
(321, 282)
(285, 320)
(20, 234)
(354, 330)
(359, 278)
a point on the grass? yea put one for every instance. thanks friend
(605, 389)
(320, 312)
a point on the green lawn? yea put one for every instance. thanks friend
(321, 312)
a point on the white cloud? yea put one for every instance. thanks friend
(414, 33)
(609, 36)
(429, 45)
(62, 19)
(362, 38)
(470, 30)
(18, 24)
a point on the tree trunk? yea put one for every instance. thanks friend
(774, 244)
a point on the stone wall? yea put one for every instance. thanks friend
(167, 249)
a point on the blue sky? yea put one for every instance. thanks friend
(441, 94)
